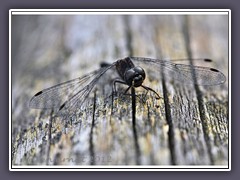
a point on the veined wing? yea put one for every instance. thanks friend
(184, 73)
(67, 94)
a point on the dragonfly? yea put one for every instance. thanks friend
(72, 94)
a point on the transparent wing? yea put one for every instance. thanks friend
(68, 94)
(183, 72)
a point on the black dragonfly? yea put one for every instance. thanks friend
(73, 93)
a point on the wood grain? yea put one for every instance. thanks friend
(187, 126)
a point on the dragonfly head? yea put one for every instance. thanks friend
(135, 76)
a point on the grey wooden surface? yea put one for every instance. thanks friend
(189, 126)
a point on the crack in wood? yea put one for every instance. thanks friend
(128, 33)
(49, 138)
(200, 101)
(137, 148)
(91, 144)
(171, 133)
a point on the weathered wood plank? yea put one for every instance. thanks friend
(52, 49)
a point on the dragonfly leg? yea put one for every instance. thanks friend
(114, 90)
(150, 89)
(121, 82)
(125, 93)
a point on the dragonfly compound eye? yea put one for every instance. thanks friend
(137, 80)
(140, 71)
(135, 76)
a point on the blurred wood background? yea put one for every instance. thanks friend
(188, 127)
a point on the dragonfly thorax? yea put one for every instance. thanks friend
(135, 76)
